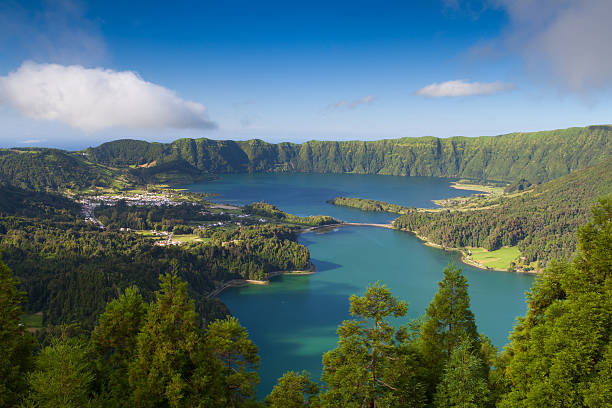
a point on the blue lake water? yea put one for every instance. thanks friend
(306, 194)
(294, 320)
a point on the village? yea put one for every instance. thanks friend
(89, 204)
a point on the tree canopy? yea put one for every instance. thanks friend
(560, 352)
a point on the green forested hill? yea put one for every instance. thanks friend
(543, 221)
(536, 156)
(268, 210)
(18, 202)
(70, 268)
(51, 169)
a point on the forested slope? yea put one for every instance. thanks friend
(50, 169)
(536, 156)
(18, 202)
(70, 268)
(542, 221)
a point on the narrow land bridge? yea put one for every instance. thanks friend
(361, 224)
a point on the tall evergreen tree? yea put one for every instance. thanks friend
(560, 352)
(63, 376)
(230, 343)
(448, 319)
(171, 367)
(114, 341)
(463, 384)
(362, 370)
(15, 344)
(294, 390)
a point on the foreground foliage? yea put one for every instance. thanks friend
(448, 320)
(15, 344)
(294, 390)
(561, 352)
(374, 364)
(463, 383)
(163, 354)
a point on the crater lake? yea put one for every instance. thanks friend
(293, 320)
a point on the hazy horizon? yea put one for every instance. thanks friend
(81, 145)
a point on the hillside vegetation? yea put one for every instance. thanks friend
(536, 156)
(268, 210)
(542, 221)
(530, 158)
(52, 170)
(70, 268)
(365, 204)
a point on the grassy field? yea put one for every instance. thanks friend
(188, 238)
(498, 259)
(33, 321)
(148, 234)
(461, 185)
(185, 238)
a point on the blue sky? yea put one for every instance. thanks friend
(74, 74)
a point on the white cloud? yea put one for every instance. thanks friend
(568, 38)
(94, 99)
(33, 141)
(463, 88)
(344, 104)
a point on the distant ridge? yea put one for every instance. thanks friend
(535, 156)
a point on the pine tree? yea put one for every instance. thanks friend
(171, 366)
(114, 341)
(63, 376)
(463, 384)
(448, 319)
(363, 369)
(230, 343)
(15, 344)
(560, 353)
(294, 390)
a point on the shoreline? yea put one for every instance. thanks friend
(346, 224)
(464, 259)
(426, 242)
(312, 270)
(472, 187)
(243, 282)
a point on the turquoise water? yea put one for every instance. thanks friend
(306, 194)
(294, 320)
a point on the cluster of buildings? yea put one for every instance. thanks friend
(136, 199)
(89, 204)
(87, 209)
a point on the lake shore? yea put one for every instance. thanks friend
(464, 256)
(476, 187)
(242, 282)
